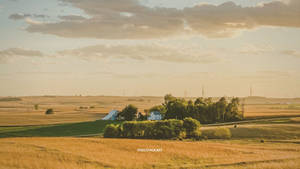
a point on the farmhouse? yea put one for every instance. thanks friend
(155, 115)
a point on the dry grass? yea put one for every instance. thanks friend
(258, 110)
(54, 153)
(261, 131)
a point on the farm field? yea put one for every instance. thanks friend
(72, 137)
(90, 153)
(69, 109)
(286, 128)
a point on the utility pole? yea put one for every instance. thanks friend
(203, 94)
(251, 91)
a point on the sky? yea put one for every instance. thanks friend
(150, 47)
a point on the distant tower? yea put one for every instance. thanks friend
(251, 91)
(185, 93)
(203, 94)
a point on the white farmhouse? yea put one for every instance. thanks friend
(155, 115)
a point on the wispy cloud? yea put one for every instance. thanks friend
(255, 49)
(13, 53)
(128, 19)
(20, 16)
(142, 52)
(291, 53)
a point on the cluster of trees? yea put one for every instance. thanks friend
(165, 129)
(202, 109)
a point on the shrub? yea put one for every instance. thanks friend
(196, 134)
(36, 107)
(218, 133)
(192, 127)
(111, 131)
(49, 111)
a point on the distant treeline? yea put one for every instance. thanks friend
(202, 109)
(10, 99)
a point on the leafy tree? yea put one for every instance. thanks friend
(232, 110)
(128, 113)
(176, 109)
(208, 101)
(199, 101)
(192, 127)
(190, 109)
(168, 98)
(221, 109)
(141, 117)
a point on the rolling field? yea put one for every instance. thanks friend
(90, 153)
(70, 109)
(67, 109)
(72, 137)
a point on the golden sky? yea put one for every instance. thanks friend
(150, 47)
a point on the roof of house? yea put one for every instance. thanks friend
(156, 113)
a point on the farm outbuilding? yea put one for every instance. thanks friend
(155, 115)
(111, 115)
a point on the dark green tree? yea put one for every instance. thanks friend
(168, 98)
(221, 109)
(199, 101)
(232, 110)
(176, 109)
(141, 117)
(129, 113)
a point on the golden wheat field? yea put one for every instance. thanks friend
(70, 109)
(90, 153)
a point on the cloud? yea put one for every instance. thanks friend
(21, 16)
(13, 53)
(72, 18)
(141, 53)
(227, 19)
(18, 16)
(128, 19)
(32, 21)
(255, 49)
(291, 53)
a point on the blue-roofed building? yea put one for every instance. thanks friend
(111, 115)
(155, 115)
